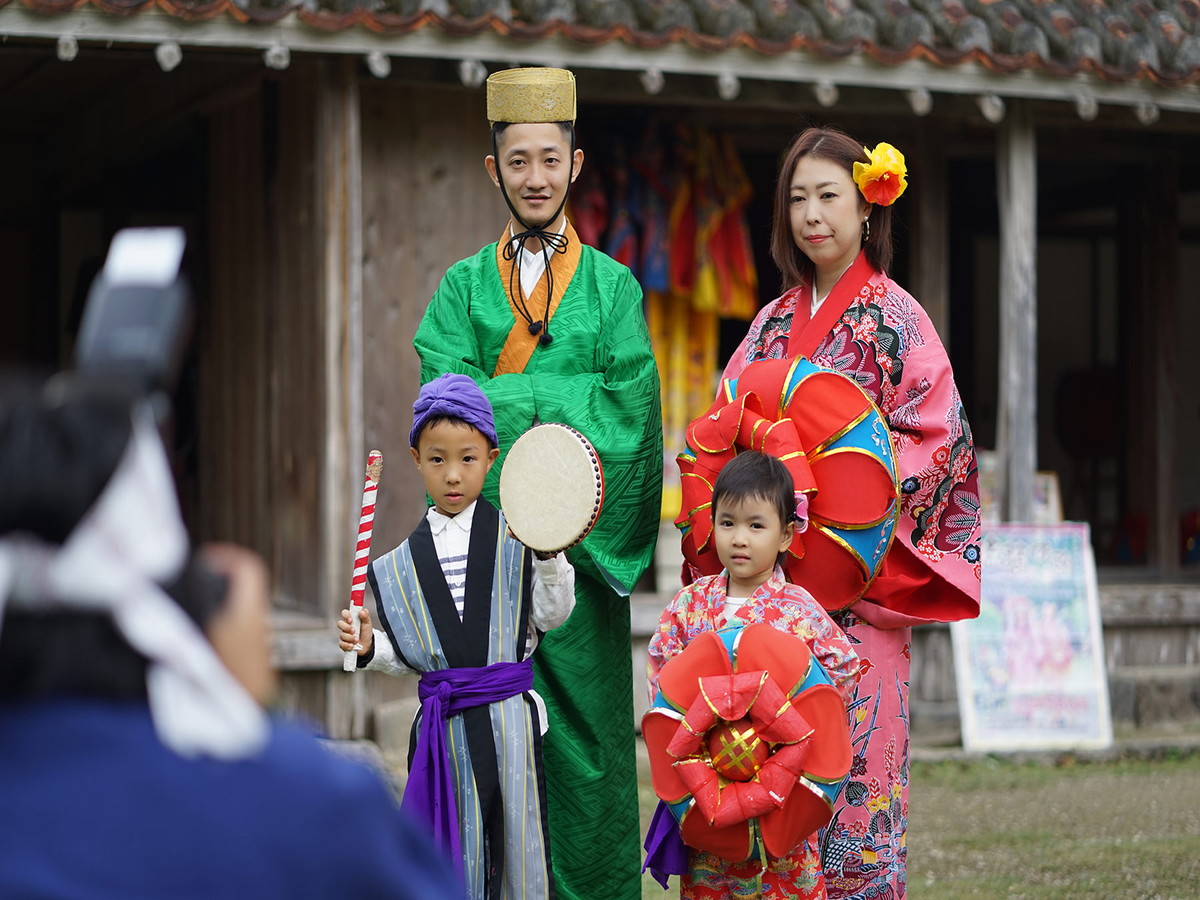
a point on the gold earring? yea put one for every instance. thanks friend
(866, 229)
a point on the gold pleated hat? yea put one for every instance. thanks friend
(531, 95)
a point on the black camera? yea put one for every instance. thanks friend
(133, 338)
(138, 313)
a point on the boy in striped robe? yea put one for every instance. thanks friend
(464, 604)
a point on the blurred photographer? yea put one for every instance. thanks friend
(136, 759)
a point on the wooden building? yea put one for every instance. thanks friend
(326, 160)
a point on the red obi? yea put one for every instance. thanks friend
(837, 446)
(748, 740)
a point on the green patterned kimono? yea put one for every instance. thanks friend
(598, 376)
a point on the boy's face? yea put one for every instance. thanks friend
(453, 459)
(537, 166)
(749, 537)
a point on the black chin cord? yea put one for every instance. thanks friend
(514, 246)
(556, 243)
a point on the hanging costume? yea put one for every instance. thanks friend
(873, 331)
(476, 695)
(598, 376)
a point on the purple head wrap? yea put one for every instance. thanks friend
(453, 395)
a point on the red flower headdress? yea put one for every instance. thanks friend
(834, 441)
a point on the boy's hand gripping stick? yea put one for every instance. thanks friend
(366, 523)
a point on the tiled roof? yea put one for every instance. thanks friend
(1148, 41)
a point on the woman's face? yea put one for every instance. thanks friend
(827, 213)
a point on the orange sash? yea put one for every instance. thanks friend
(519, 347)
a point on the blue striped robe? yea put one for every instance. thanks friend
(496, 750)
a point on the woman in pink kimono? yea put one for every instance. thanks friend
(832, 242)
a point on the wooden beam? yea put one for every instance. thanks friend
(1016, 188)
(92, 25)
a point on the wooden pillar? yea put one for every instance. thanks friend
(1016, 183)
(339, 174)
(930, 282)
(1160, 308)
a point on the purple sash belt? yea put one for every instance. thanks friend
(429, 792)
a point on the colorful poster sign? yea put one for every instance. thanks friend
(1030, 670)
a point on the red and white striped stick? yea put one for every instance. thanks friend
(366, 524)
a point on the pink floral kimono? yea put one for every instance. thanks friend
(871, 330)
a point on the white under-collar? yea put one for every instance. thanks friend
(533, 263)
(438, 522)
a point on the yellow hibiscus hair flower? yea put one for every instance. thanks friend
(884, 178)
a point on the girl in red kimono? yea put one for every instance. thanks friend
(754, 518)
(832, 242)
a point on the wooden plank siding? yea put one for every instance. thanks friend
(296, 389)
(234, 344)
(428, 203)
(317, 286)
(260, 384)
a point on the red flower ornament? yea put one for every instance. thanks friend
(838, 448)
(748, 742)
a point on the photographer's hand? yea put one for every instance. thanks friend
(240, 631)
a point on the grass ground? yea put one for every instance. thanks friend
(1065, 829)
(988, 828)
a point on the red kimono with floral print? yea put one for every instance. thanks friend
(700, 607)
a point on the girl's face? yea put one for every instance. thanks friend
(749, 538)
(827, 213)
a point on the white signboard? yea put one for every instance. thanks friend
(1030, 670)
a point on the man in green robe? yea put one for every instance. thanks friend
(553, 331)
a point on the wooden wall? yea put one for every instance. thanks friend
(261, 385)
(335, 207)
(427, 202)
